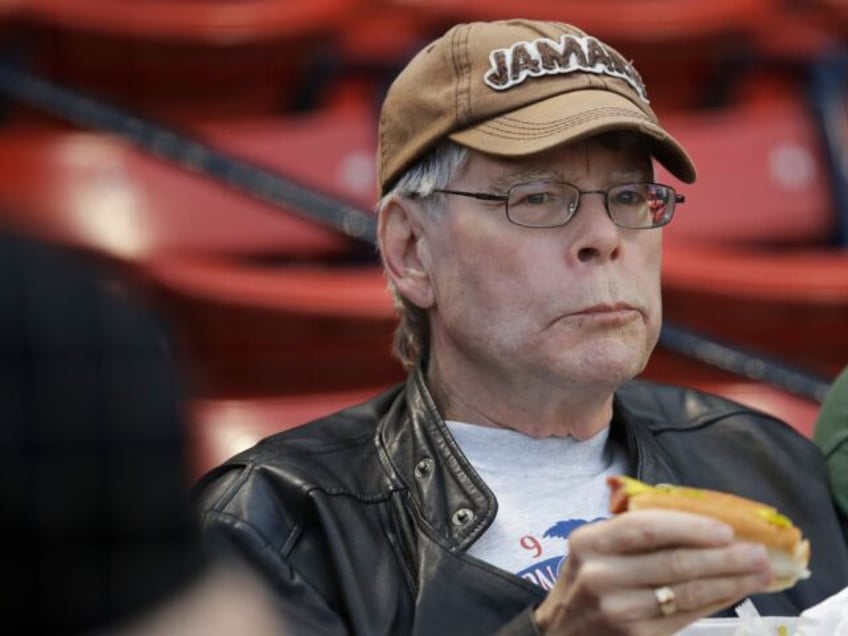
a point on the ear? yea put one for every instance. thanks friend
(404, 249)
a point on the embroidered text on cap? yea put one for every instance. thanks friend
(544, 56)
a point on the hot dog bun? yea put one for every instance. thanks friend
(750, 520)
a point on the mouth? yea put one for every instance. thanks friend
(603, 308)
(616, 313)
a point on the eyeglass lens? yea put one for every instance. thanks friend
(630, 205)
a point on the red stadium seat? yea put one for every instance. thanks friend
(762, 177)
(98, 193)
(801, 31)
(791, 305)
(632, 20)
(179, 60)
(214, 21)
(251, 330)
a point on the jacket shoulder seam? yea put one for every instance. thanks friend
(240, 524)
(705, 419)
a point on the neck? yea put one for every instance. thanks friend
(536, 408)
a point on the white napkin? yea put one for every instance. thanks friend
(735, 627)
(828, 618)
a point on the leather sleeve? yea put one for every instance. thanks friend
(301, 608)
(522, 625)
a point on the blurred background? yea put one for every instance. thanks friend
(215, 159)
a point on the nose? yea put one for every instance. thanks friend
(595, 237)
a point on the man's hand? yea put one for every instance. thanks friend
(613, 579)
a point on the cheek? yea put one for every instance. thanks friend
(474, 258)
(484, 278)
(478, 281)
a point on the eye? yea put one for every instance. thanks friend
(631, 195)
(537, 197)
(541, 204)
(534, 195)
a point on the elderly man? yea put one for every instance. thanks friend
(520, 230)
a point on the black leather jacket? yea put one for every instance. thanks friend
(361, 520)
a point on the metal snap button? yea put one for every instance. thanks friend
(424, 468)
(462, 516)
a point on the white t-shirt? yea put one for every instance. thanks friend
(545, 489)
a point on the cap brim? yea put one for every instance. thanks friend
(569, 117)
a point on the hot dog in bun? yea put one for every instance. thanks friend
(750, 520)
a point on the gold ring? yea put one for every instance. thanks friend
(665, 599)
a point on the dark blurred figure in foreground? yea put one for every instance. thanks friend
(97, 531)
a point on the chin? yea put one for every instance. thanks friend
(612, 367)
(608, 359)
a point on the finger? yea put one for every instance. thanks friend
(649, 530)
(692, 600)
(705, 596)
(674, 565)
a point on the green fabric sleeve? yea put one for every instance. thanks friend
(831, 435)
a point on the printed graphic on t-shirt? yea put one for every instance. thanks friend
(549, 551)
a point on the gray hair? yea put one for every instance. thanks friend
(435, 170)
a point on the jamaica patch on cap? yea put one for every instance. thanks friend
(570, 54)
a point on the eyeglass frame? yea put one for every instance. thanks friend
(504, 198)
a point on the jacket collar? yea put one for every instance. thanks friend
(636, 432)
(453, 502)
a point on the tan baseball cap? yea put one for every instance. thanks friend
(516, 87)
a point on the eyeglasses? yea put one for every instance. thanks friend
(634, 206)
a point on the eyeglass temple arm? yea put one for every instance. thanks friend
(485, 196)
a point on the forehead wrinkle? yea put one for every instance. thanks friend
(569, 165)
(504, 182)
(525, 175)
(636, 175)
